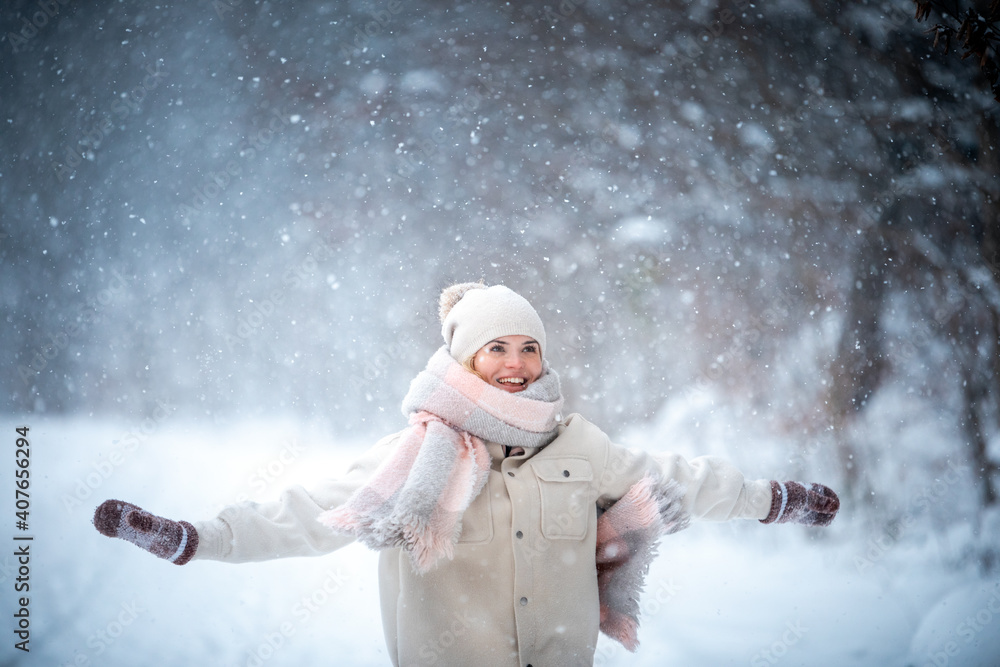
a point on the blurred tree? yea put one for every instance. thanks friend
(938, 228)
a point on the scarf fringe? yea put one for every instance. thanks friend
(426, 547)
(627, 536)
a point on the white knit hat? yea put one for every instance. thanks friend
(473, 314)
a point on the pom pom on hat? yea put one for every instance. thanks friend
(452, 295)
(473, 314)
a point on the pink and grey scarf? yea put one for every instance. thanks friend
(416, 498)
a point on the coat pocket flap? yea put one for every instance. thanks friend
(564, 470)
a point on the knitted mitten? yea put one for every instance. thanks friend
(810, 504)
(176, 541)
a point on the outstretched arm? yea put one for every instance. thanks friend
(247, 531)
(717, 490)
(714, 489)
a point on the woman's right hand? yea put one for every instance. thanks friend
(175, 541)
(809, 504)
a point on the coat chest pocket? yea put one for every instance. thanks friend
(564, 486)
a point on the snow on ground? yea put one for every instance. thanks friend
(720, 594)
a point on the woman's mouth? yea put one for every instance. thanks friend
(512, 384)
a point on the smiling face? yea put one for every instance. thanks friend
(509, 362)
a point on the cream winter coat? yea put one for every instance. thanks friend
(522, 588)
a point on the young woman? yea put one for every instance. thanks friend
(494, 516)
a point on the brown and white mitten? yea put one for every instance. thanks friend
(809, 504)
(175, 541)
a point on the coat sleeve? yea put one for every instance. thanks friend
(250, 531)
(713, 488)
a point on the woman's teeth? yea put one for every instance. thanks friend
(517, 381)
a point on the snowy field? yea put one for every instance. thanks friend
(720, 594)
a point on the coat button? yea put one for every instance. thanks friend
(524, 601)
(519, 534)
(565, 473)
(510, 473)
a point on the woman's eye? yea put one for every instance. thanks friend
(529, 349)
(496, 348)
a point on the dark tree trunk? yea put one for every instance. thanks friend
(858, 366)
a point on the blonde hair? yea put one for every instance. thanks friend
(470, 365)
